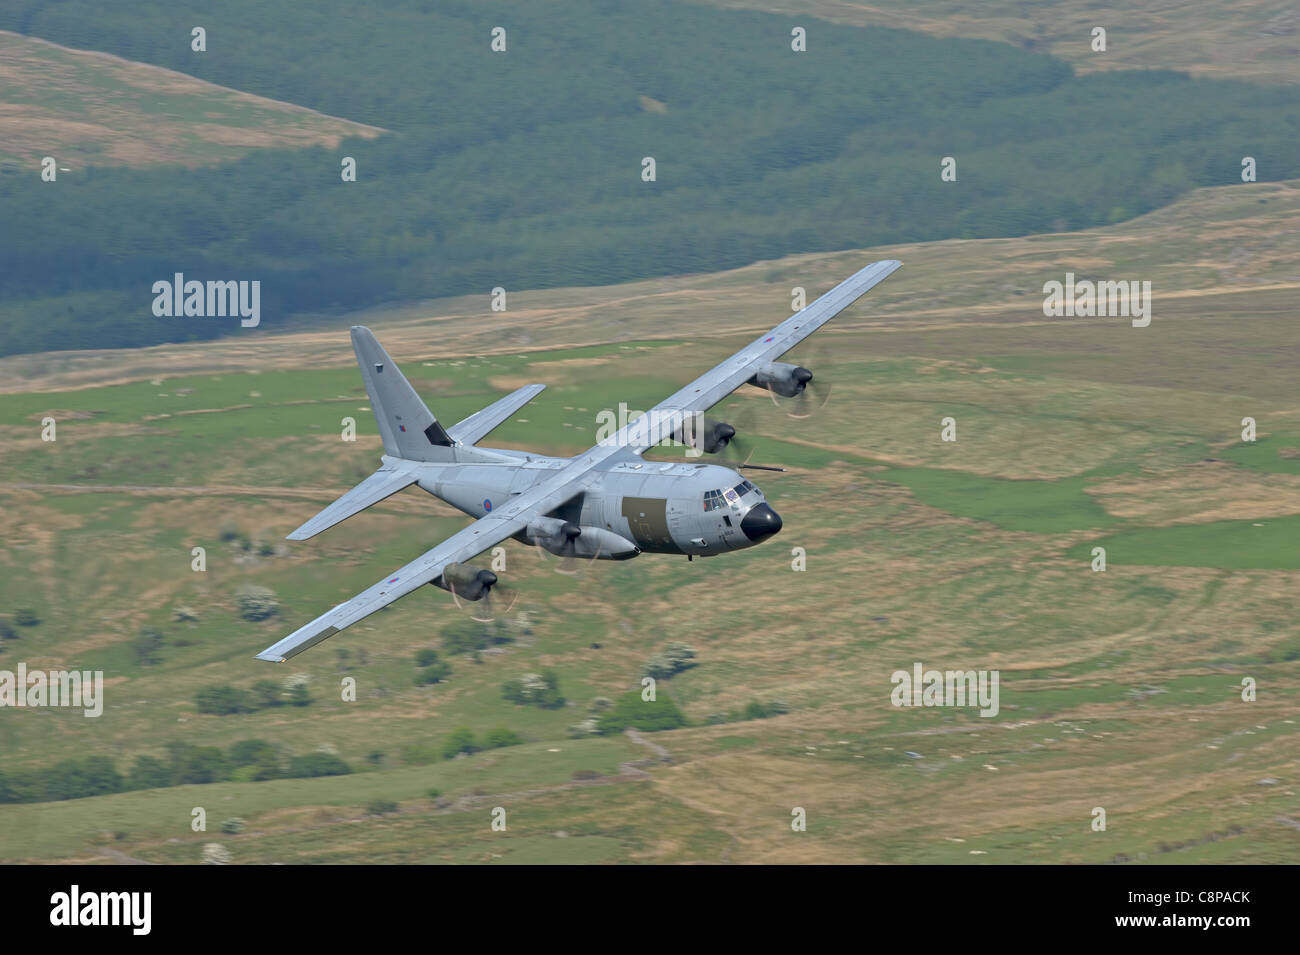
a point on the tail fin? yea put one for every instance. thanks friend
(408, 428)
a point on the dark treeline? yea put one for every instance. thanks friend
(523, 169)
(249, 760)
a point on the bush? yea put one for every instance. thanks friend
(249, 751)
(497, 738)
(257, 603)
(460, 741)
(470, 636)
(434, 673)
(78, 778)
(199, 764)
(267, 694)
(298, 695)
(379, 807)
(232, 826)
(317, 764)
(534, 689)
(631, 711)
(223, 700)
(148, 648)
(674, 658)
(7, 630)
(426, 657)
(587, 727)
(26, 617)
(149, 773)
(755, 711)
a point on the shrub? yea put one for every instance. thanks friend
(257, 603)
(223, 700)
(148, 647)
(248, 751)
(200, 764)
(214, 853)
(631, 711)
(426, 657)
(78, 778)
(149, 773)
(674, 658)
(26, 617)
(460, 741)
(232, 826)
(470, 636)
(534, 689)
(497, 738)
(267, 694)
(379, 807)
(755, 711)
(434, 673)
(317, 764)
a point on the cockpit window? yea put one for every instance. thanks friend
(720, 498)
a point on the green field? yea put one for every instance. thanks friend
(1120, 689)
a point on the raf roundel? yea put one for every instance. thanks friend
(487, 504)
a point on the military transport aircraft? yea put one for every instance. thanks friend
(607, 502)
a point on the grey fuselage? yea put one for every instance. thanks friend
(631, 505)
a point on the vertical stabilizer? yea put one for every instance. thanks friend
(408, 428)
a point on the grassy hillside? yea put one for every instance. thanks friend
(523, 169)
(1119, 689)
(1244, 39)
(88, 108)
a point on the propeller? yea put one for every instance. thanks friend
(812, 397)
(478, 592)
(715, 436)
(567, 537)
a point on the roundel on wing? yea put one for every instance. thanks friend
(487, 504)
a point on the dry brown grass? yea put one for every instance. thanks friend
(84, 107)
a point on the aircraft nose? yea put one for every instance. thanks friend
(760, 522)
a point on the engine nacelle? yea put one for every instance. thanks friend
(465, 581)
(566, 539)
(782, 379)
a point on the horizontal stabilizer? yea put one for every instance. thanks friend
(477, 426)
(383, 483)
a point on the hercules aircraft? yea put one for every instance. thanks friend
(608, 502)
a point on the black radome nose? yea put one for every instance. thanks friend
(760, 522)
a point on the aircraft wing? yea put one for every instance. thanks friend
(476, 427)
(487, 531)
(718, 382)
(385, 482)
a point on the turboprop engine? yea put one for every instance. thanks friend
(567, 539)
(466, 581)
(782, 379)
